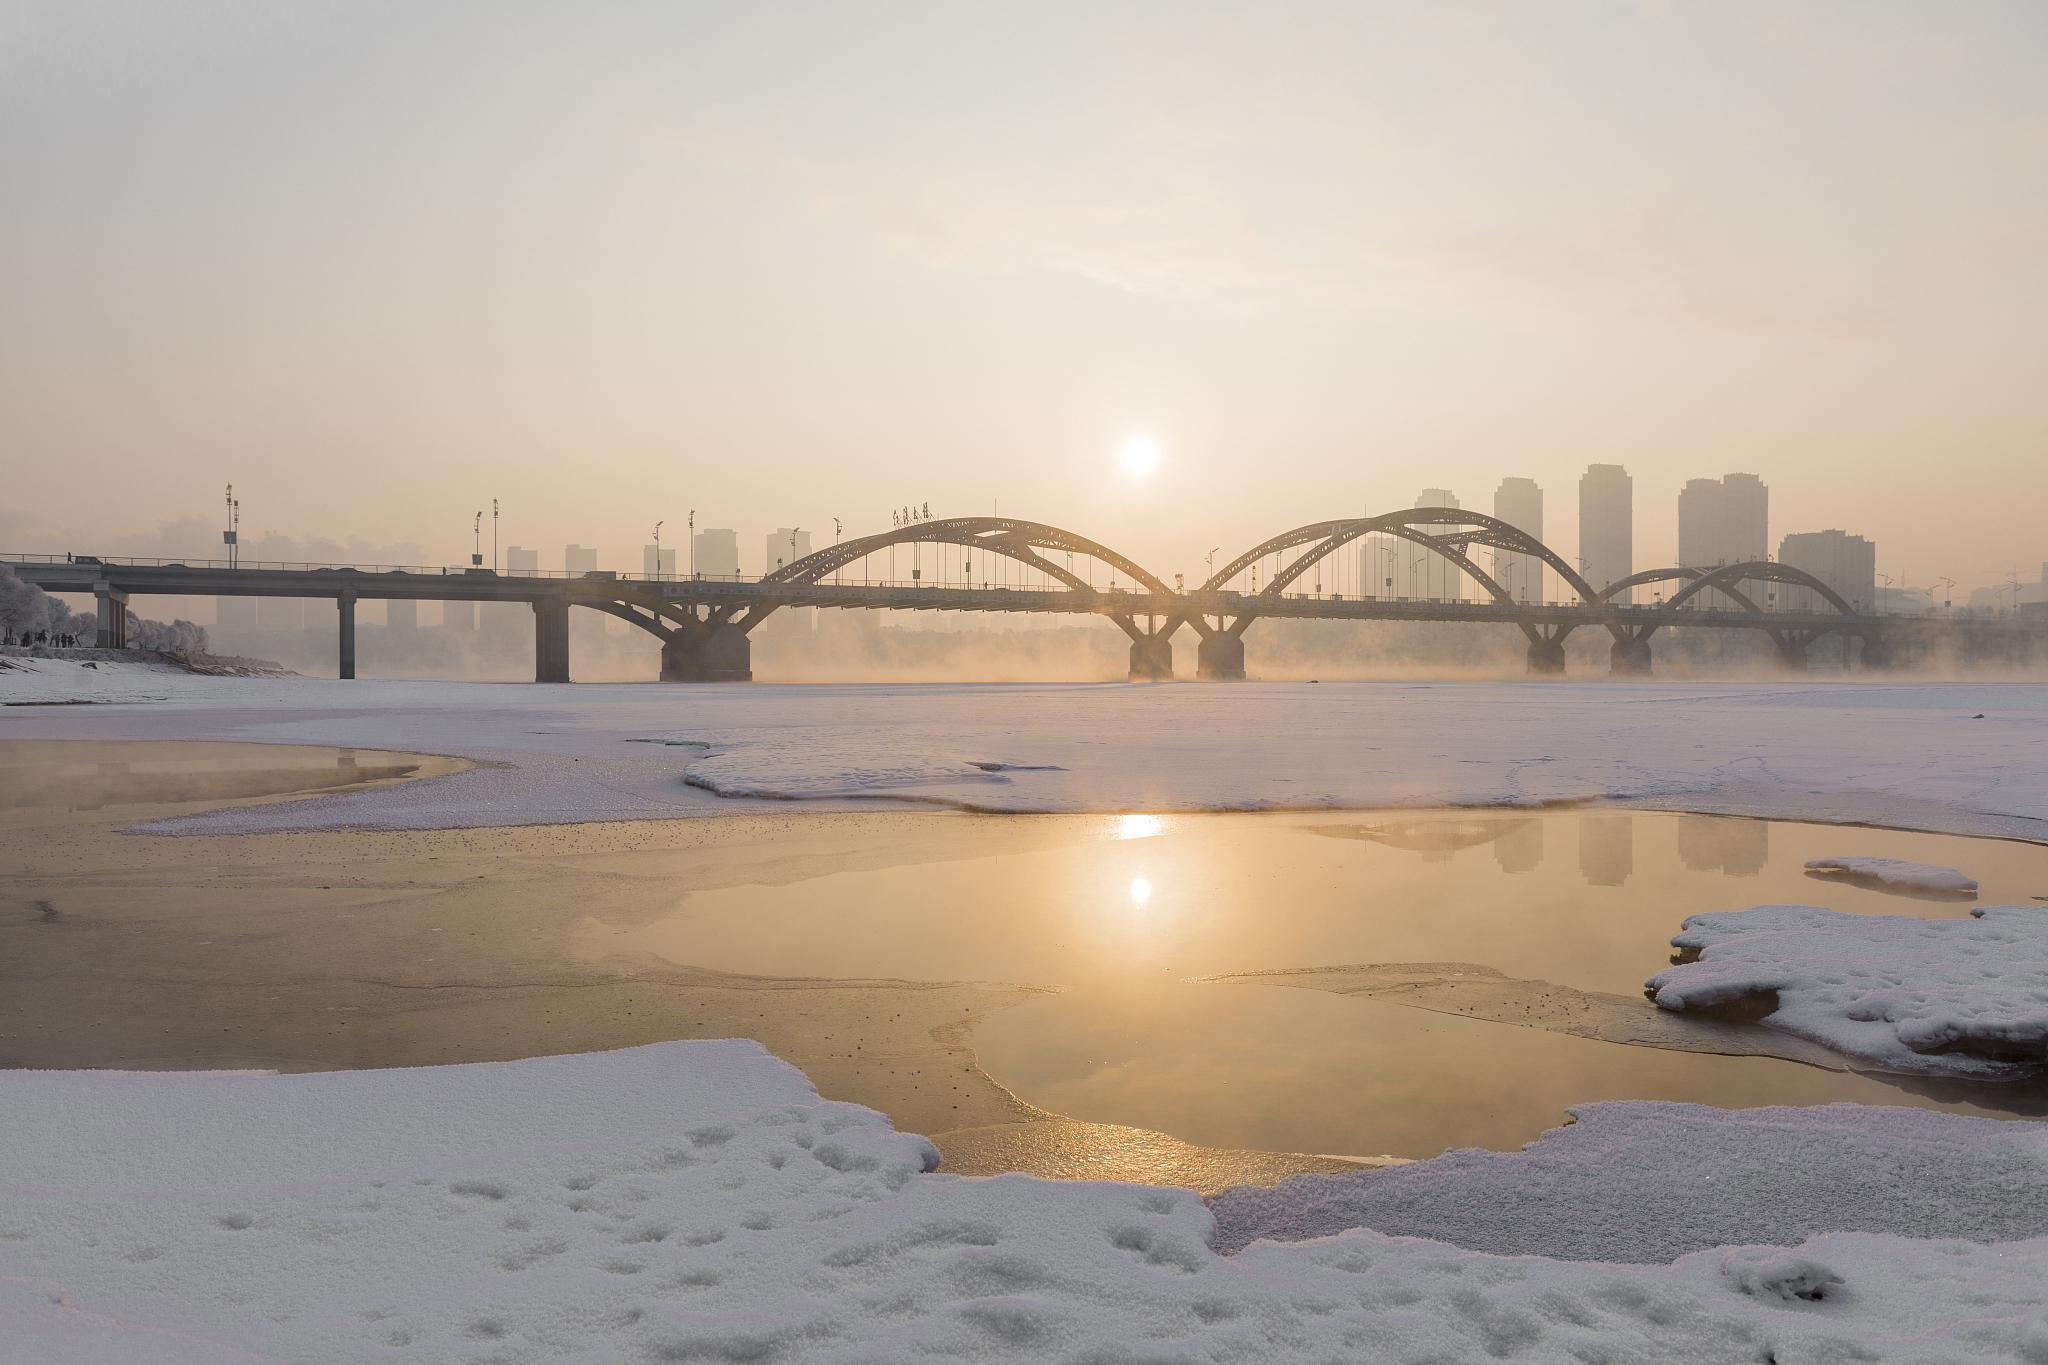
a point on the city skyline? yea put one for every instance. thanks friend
(618, 267)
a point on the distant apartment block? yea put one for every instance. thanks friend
(718, 553)
(1422, 572)
(657, 561)
(1723, 521)
(1846, 563)
(519, 561)
(578, 560)
(1607, 546)
(1519, 503)
(786, 545)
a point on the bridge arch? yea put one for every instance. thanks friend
(1727, 579)
(1467, 529)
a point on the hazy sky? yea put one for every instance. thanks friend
(378, 263)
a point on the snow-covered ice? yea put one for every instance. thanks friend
(1896, 872)
(1964, 997)
(1912, 756)
(697, 1202)
(1647, 1181)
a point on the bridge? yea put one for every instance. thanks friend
(702, 623)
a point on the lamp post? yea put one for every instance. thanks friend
(476, 544)
(494, 535)
(693, 544)
(657, 548)
(231, 535)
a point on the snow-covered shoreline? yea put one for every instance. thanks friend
(697, 1201)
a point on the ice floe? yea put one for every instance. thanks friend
(1895, 874)
(1964, 997)
(697, 1202)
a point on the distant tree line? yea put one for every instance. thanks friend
(26, 607)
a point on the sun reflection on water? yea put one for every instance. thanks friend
(1138, 827)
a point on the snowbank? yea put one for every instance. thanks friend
(1895, 873)
(1912, 756)
(1650, 1182)
(1965, 997)
(41, 680)
(697, 1202)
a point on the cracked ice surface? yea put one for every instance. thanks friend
(1912, 755)
(698, 1202)
(1944, 997)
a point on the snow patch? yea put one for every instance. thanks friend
(1895, 873)
(697, 1201)
(1966, 997)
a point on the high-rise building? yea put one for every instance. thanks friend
(718, 553)
(1723, 521)
(402, 613)
(1846, 563)
(1607, 537)
(1424, 573)
(523, 562)
(1519, 503)
(657, 561)
(458, 616)
(785, 545)
(578, 560)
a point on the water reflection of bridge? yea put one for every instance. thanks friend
(997, 564)
(1728, 845)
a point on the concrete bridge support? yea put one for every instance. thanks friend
(1220, 658)
(1877, 651)
(1546, 658)
(110, 607)
(718, 653)
(1152, 658)
(1629, 659)
(346, 604)
(1792, 654)
(551, 639)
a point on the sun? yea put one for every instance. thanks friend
(1139, 456)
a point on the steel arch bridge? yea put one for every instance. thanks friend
(703, 624)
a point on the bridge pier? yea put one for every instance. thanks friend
(551, 639)
(1546, 657)
(1220, 658)
(719, 653)
(1629, 659)
(1792, 654)
(110, 629)
(1877, 651)
(346, 608)
(1152, 658)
